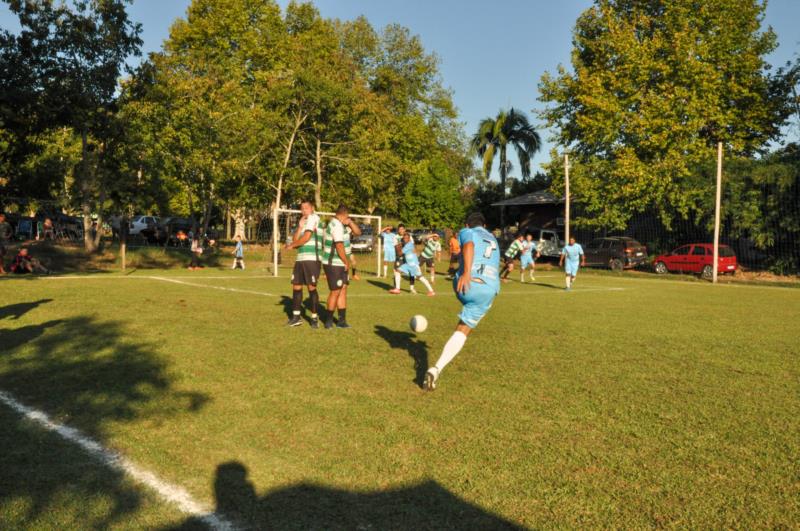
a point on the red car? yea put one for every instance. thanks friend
(696, 258)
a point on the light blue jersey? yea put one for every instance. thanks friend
(239, 251)
(411, 266)
(528, 249)
(477, 301)
(486, 258)
(572, 258)
(389, 241)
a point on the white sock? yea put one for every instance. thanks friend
(242, 265)
(568, 281)
(396, 280)
(385, 268)
(427, 284)
(451, 349)
(433, 277)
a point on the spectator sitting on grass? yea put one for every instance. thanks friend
(25, 263)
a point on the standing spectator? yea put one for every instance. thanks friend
(455, 253)
(25, 263)
(238, 254)
(197, 250)
(49, 229)
(5, 237)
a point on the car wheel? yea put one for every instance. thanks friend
(661, 268)
(708, 272)
(615, 264)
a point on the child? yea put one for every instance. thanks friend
(197, 250)
(24, 263)
(238, 254)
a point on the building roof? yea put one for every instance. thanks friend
(535, 198)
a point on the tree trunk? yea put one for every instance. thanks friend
(86, 205)
(503, 172)
(318, 187)
(227, 223)
(239, 223)
(123, 240)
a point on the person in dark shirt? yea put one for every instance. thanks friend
(25, 263)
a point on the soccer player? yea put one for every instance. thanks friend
(455, 253)
(410, 268)
(431, 254)
(528, 259)
(336, 264)
(389, 238)
(307, 240)
(476, 284)
(348, 250)
(573, 253)
(510, 255)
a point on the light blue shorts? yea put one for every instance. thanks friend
(410, 270)
(476, 302)
(526, 261)
(571, 268)
(389, 254)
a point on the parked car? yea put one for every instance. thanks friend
(139, 223)
(364, 243)
(548, 242)
(615, 252)
(696, 258)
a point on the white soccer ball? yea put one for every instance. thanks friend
(419, 323)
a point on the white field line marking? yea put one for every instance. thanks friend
(170, 493)
(143, 277)
(196, 285)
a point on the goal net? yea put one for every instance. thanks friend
(366, 253)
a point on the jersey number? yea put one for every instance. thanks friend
(491, 246)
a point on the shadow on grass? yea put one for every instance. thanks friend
(417, 349)
(384, 285)
(287, 303)
(15, 311)
(88, 374)
(426, 505)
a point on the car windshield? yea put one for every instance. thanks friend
(726, 251)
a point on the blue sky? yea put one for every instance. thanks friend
(492, 53)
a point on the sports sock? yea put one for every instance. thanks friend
(411, 281)
(297, 301)
(451, 348)
(427, 284)
(385, 269)
(396, 280)
(242, 265)
(568, 281)
(342, 315)
(314, 296)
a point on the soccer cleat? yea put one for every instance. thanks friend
(394, 291)
(431, 294)
(315, 323)
(430, 379)
(413, 291)
(294, 321)
(328, 324)
(342, 324)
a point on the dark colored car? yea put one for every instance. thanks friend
(615, 252)
(696, 258)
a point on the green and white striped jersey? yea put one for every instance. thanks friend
(311, 251)
(431, 247)
(513, 249)
(334, 233)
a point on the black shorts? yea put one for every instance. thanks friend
(305, 273)
(509, 260)
(337, 277)
(427, 261)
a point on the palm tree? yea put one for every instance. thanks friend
(496, 134)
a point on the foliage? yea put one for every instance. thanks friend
(654, 86)
(432, 197)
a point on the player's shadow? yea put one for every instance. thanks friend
(426, 505)
(543, 285)
(417, 349)
(384, 285)
(15, 311)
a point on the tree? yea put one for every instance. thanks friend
(493, 137)
(432, 197)
(654, 86)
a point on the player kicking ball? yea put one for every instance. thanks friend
(571, 257)
(476, 284)
(410, 268)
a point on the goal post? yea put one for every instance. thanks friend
(366, 248)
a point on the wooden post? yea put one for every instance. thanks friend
(566, 199)
(715, 266)
(275, 240)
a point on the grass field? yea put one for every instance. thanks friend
(628, 402)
